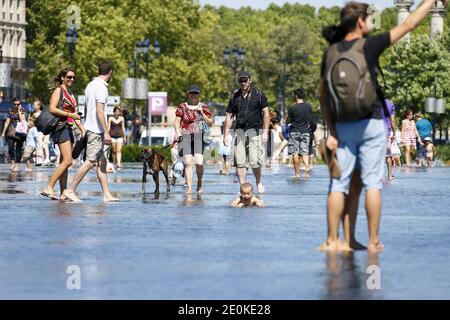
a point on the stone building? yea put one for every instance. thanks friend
(13, 47)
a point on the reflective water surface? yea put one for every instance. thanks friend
(191, 247)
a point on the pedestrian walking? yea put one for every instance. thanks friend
(424, 129)
(14, 132)
(299, 116)
(192, 122)
(116, 129)
(64, 106)
(250, 107)
(96, 131)
(31, 142)
(409, 136)
(391, 128)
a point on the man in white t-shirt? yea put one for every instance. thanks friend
(98, 138)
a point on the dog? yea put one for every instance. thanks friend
(154, 162)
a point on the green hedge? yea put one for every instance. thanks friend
(132, 152)
(443, 153)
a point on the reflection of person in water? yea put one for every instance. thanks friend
(346, 278)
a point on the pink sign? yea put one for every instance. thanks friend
(157, 103)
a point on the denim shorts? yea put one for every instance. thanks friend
(63, 134)
(362, 145)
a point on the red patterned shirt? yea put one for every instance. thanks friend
(190, 119)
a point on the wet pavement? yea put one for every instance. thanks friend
(179, 247)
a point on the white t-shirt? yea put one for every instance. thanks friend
(96, 92)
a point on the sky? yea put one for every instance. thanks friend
(262, 4)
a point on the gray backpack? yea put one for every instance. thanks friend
(351, 91)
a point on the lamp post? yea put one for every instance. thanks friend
(288, 60)
(72, 39)
(235, 60)
(434, 106)
(142, 51)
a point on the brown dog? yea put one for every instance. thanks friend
(154, 162)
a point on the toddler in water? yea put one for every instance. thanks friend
(431, 151)
(246, 198)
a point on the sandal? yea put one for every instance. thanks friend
(49, 195)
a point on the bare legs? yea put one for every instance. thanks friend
(305, 159)
(117, 154)
(409, 151)
(389, 168)
(189, 179)
(101, 175)
(61, 172)
(340, 206)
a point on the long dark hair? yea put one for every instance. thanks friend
(349, 18)
(58, 80)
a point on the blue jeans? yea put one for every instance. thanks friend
(362, 145)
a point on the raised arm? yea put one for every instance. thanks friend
(413, 21)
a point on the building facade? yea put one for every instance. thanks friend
(13, 47)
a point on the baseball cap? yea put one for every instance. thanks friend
(427, 139)
(194, 88)
(243, 74)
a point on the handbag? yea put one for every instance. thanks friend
(47, 122)
(11, 133)
(203, 125)
(21, 129)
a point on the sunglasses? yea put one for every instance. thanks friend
(70, 77)
(243, 81)
(194, 92)
(17, 104)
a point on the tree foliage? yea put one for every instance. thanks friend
(283, 45)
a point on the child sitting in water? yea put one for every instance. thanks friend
(246, 198)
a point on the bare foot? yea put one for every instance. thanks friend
(307, 174)
(110, 199)
(261, 188)
(378, 247)
(391, 178)
(343, 246)
(28, 170)
(328, 246)
(199, 190)
(355, 245)
(70, 195)
(188, 191)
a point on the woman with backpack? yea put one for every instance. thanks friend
(64, 106)
(16, 120)
(354, 117)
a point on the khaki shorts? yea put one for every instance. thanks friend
(96, 150)
(247, 150)
(28, 153)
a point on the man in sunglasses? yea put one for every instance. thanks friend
(249, 108)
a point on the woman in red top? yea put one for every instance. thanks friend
(191, 120)
(64, 106)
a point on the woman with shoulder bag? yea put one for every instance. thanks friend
(192, 121)
(64, 106)
(15, 139)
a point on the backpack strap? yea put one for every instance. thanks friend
(380, 90)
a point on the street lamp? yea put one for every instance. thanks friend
(142, 50)
(237, 60)
(435, 107)
(71, 39)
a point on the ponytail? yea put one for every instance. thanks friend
(333, 34)
(349, 15)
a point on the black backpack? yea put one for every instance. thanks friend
(351, 91)
(46, 122)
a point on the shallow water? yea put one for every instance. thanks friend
(179, 247)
